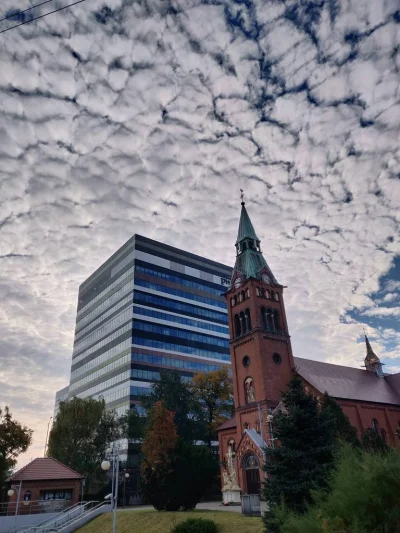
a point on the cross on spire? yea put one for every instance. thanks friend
(242, 196)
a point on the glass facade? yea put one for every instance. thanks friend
(149, 307)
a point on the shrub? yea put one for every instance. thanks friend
(196, 525)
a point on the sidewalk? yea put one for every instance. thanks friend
(204, 506)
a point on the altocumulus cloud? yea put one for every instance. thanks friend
(148, 116)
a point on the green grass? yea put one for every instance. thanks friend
(163, 522)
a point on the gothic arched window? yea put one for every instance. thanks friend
(243, 322)
(276, 320)
(264, 317)
(249, 391)
(258, 426)
(248, 319)
(375, 425)
(270, 319)
(238, 329)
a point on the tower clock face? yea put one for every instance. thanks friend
(266, 278)
(238, 282)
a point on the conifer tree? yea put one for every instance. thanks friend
(338, 421)
(303, 457)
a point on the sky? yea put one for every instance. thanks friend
(148, 116)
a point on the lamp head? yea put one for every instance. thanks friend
(106, 465)
(10, 493)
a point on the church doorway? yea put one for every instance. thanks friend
(252, 469)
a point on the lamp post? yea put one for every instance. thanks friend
(126, 477)
(106, 465)
(10, 493)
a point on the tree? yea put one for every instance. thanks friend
(158, 449)
(372, 442)
(304, 457)
(14, 440)
(175, 473)
(132, 425)
(214, 392)
(338, 421)
(176, 396)
(81, 434)
(363, 496)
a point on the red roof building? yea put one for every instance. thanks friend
(263, 363)
(45, 483)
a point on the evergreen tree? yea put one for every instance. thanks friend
(304, 457)
(338, 421)
(372, 442)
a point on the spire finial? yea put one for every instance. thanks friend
(242, 196)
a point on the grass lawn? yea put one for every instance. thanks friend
(163, 522)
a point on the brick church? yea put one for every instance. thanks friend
(263, 362)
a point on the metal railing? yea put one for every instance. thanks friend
(86, 514)
(63, 518)
(34, 507)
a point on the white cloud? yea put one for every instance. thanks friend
(107, 125)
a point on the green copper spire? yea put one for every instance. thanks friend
(250, 262)
(246, 229)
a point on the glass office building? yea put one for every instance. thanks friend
(149, 307)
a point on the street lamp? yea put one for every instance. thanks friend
(106, 465)
(11, 493)
(126, 477)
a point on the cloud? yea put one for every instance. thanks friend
(149, 117)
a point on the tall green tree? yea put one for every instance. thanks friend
(132, 425)
(14, 440)
(214, 392)
(372, 442)
(176, 396)
(175, 473)
(81, 434)
(340, 424)
(304, 456)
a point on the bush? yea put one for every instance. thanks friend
(196, 525)
(363, 497)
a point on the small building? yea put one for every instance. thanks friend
(44, 485)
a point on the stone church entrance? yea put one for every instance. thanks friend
(252, 469)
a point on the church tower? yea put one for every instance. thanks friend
(261, 353)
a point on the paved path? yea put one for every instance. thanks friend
(204, 506)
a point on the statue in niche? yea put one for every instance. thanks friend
(250, 392)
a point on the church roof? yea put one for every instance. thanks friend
(228, 424)
(44, 468)
(246, 229)
(348, 383)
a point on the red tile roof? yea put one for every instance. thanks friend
(231, 423)
(45, 468)
(348, 383)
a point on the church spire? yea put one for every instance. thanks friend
(250, 262)
(372, 361)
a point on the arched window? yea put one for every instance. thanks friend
(246, 425)
(277, 297)
(248, 319)
(383, 435)
(238, 329)
(243, 295)
(235, 299)
(270, 319)
(277, 326)
(267, 294)
(231, 445)
(264, 317)
(375, 425)
(232, 302)
(258, 426)
(273, 295)
(243, 322)
(258, 291)
(249, 391)
(247, 293)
